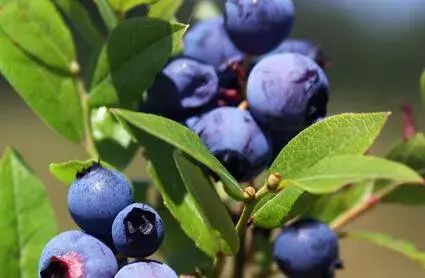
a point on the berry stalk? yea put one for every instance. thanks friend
(88, 138)
(362, 208)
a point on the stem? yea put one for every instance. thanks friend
(108, 15)
(218, 265)
(244, 81)
(242, 224)
(239, 261)
(362, 208)
(88, 139)
(241, 228)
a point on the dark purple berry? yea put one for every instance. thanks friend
(208, 42)
(138, 231)
(146, 268)
(75, 254)
(307, 249)
(258, 26)
(184, 87)
(233, 136)
(96, 197)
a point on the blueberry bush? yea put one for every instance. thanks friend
(248, 173)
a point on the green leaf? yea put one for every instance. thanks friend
(276, 209)
(209, 203)
(27, 219)
(43, 88)
(344, 134)
(347, 133)
(412, 154)
(141, 191)
(180, 252)
(82, 21)
(165, 9)
(332, 174)
(114, 144)
(182, 204)
(38, 30)
(405, 248)
(109, 17)
(122, 6)
(329, 207)
(184, 139)
(66, 171)
(125, 70)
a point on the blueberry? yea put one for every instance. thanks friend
(76, 254)
(208, 42)
(138, 231)
(233, 136)
(258, 26)
(183, 87)
(96, 197)
(301, 46)
(307, 249)
(287, 92)
(146, 268)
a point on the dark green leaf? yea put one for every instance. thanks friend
(122, 6)
(332, 174)
(46, 90)
(209, 203)
(125, 70)
(38, 30)
(165, 9)
(114, 144)
(27, 219)
(344, 134)
(82, 21)
(182, 204)
(184, 139)
(66, 171)
(329, 207)
(263, 257)
(405, 248)
(179, 250)
(411, 153)
(140, 191)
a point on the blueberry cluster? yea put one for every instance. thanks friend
(100, 201)
(242, 85)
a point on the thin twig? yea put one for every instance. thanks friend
(88, 138)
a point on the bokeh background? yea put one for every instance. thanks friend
(377, 48)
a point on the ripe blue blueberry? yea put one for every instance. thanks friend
(307, 249)
(301, 46)
(258, 26)
(146, 268)
(76, 254)
(183, 87)
(96, 197)
(138, 231)
(287, 92)
(233, 136)
(208, 42)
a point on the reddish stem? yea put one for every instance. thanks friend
(408, 121)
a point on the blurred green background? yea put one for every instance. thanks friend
(377, 51)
